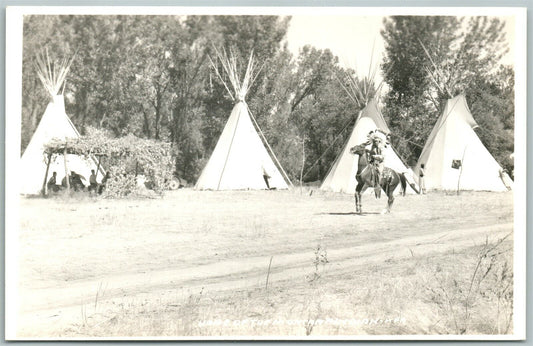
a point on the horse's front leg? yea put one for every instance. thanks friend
(358, 194)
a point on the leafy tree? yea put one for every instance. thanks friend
(493, 103)
(100, 43)
(153, 52)
(320, 108)
(189, 76)
(262, 34)
(410, 106)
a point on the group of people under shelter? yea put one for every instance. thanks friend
(75, 181)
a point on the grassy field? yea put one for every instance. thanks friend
(265, 263)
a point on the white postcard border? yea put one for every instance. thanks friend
(13, 85)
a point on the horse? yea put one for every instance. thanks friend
(366, 178)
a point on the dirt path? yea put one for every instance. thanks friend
(57, 306)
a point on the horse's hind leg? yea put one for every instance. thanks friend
(390, 193)
(390, 201)
(389, 204)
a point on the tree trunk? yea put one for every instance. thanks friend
(303, 162)
(157, 119)
(146, 124)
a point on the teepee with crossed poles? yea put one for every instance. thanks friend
(341, 176)
(240, 160)
(35, 165)
(454, 157)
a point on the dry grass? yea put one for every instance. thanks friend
(97, 267)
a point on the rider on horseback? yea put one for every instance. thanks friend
(371, 171)
(378, 141)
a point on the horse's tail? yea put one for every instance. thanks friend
(403, 183)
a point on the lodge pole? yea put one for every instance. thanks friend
(44, 190)
(67, 177)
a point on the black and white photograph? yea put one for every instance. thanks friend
(265, 173)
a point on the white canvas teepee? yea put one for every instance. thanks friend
(54, 123)
(341, 176)
(454, 157)
(240, 160)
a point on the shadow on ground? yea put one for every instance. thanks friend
(352, 213)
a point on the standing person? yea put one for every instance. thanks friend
(93, 185)
(265, 176)
(421, 179)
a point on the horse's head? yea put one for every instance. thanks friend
(358, 149)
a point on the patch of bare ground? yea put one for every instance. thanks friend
(196, 264)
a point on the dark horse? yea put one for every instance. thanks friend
(366, 178)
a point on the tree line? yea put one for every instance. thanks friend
(151, 76)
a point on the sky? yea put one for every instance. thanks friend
(354, 38)
(351, 38)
